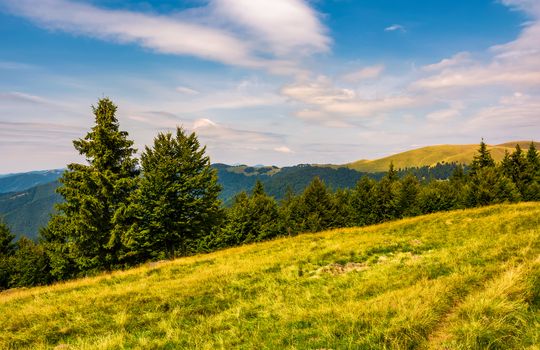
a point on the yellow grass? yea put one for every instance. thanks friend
(431, 155)
(464, 280)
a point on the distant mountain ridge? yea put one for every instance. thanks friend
(28, 207)
(22, 181)
(431, 155)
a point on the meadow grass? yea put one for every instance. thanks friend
(458, 280)
(431, 155)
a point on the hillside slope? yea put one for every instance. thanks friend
(456, 280)
(431, 155)
(23, 181)
(26, 211)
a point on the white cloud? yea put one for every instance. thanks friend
(202, 123)
(186, 91)
(458, 59)
(287, 26)
(283, 149)
(364, 73)
(395, 27)
(329, 104)
(273, 31)
(443, 114)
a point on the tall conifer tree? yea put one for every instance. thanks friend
(176, 203)
(84, 234)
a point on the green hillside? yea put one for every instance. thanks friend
(456, 280)
(26, 211)
(22, 181)
(431, 155)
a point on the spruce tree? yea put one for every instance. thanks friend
(176, 203)
(518, 170)
(532, 192)
(482, 159)
(533, 161)
(316, 208)
(7, 249)
(30, 265)
(363, 202)
(84, 234)
(252, 218)
(6, 239)
(408, 196)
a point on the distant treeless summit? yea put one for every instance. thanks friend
(431, 155)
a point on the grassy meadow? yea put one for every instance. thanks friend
(457, 280)
(431, 155)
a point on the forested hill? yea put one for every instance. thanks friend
(27, 210)
(22, 181)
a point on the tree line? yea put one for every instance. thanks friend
(120, 211)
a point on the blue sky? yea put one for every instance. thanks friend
(269, 81)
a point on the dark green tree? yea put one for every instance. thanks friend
(84, 235)
(252, 218)
(533, 161)
(176, 203)
(532, 191)
(343, 210)
(440, 196)
(363, 202)
(482, 159)
(386, 197)
(316, 207)
(408, 196)
(518, 170)
(7, 249)
(30, 265)
(490, 186)
(7, 246)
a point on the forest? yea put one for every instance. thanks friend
(119, 211)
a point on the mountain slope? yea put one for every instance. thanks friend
(26, 211)
(463, 279)
(431, 155)
(23, 181)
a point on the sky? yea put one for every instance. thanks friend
(274, 82)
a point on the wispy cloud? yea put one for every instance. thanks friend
(364, 73)
(10, 65)
(283, 149)
(334, 106)
(395, 27)
(255, 34)
(187, 91)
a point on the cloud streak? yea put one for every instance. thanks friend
(271, 30)
(395, 27)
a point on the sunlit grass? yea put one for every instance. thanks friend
(463, 279)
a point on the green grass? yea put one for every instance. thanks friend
(458, 280)
(431, 155)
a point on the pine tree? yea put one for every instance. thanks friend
(176, 203)
(7, 249)
(7, 246)
(392, 174)
(490, 186)
(408, 196)
(518, 170)
(363, 202)
(251, 218)
(316, 207)
(482, 159)
(532, 191)
(30, 265)
(533, 161)
(84, 235)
